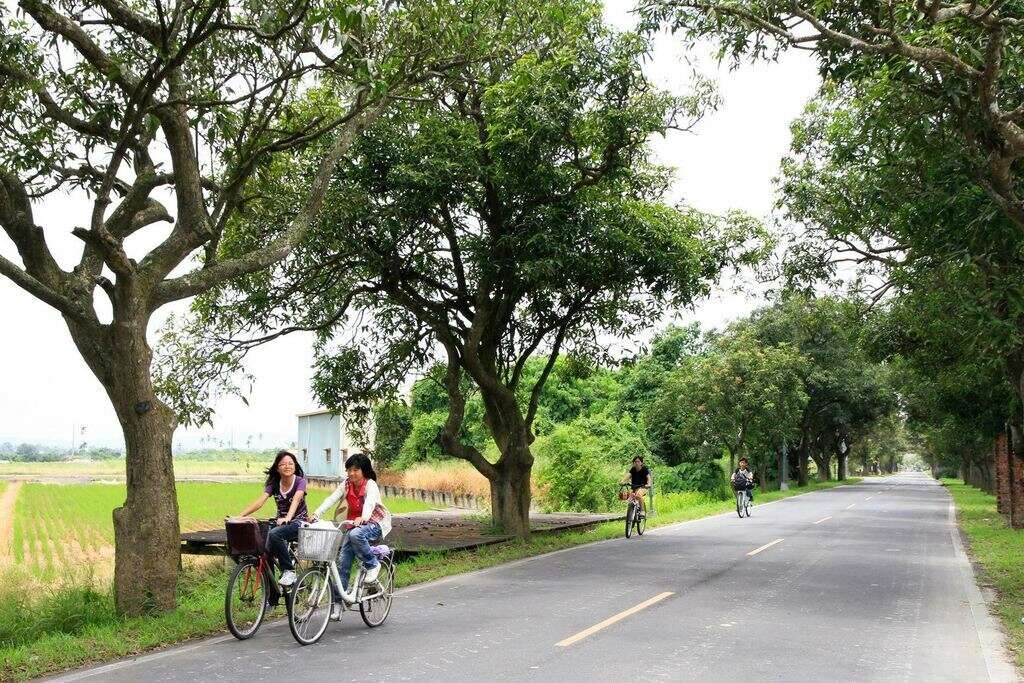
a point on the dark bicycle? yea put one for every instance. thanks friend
(635, 517)
(252, 586)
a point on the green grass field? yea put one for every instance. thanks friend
(115, 468)
(76, 626)
(1000, 551)
(66, 530)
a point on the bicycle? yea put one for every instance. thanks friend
(635, 517)
(312, 597)
(251, 585)
(742, 502)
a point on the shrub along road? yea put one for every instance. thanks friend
(864, 582)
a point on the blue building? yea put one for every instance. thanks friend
(324, 444)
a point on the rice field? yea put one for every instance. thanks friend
(115, 468)
(65, 532)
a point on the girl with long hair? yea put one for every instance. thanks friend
(286, 482)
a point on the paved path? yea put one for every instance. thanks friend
(859, 583)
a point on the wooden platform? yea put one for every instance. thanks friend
(418, 532)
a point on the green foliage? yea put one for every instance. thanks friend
(704, 476)
(421, 444)
(392, 425)
(578, 474)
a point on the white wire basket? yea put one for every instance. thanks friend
(319, 545)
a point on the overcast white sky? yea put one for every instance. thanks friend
(47, 391)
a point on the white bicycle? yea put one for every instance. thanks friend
(312, 596)
(743, 502)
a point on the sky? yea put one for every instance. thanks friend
(48, 395)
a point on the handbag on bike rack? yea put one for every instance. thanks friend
(245, 536)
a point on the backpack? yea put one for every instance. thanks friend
(741, 481)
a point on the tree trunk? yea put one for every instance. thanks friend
(510, 500)
(841, 459)
(147, 541)
(804, 461)
(824, 463)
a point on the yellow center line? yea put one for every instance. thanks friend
(613, 619)
(824, 519)
(764, 547)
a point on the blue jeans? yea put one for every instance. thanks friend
(277, 543)
(357, 542)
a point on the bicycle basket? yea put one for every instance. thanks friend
(245, 536)
(319, 545)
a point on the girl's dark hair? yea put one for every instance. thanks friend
(274, 477)
(362, 461)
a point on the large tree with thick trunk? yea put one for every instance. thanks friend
(165, 113)
(504, 214)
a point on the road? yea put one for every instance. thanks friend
(859, 583)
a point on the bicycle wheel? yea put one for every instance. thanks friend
(310, 601)
(245, 602)
(641, 523)
(746, 504)
(739, 504)
(376, 610)
(630, 513)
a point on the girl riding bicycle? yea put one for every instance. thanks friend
(286, 482)
(745, 478)
(358, 498)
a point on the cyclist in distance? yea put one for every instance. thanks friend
(639, 480)
(744, 471)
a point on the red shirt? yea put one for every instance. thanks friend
(355, 500)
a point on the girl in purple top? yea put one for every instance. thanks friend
(287, 484)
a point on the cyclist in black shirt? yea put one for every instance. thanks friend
(639, 479)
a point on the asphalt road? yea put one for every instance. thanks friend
(868, 583)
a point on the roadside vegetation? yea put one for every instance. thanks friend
(997, 549)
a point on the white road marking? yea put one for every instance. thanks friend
(824, 519)
(850, 506)
(612, 620)
(764, 547)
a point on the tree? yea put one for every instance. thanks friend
(153, 109)
(872, 183)
(845, 390)
(741, 397)
(506, 213)
(950, 70)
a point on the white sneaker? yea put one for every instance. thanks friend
(287, 579)
(372, 574)
(337, 609)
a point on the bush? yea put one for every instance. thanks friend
(393, 421)
(421, 445)
(704, 476)
(577, 475)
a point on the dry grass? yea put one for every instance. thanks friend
(454, 477)
(451, 476)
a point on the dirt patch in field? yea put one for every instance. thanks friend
(7, 501)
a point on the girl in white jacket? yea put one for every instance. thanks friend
(358, 497)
